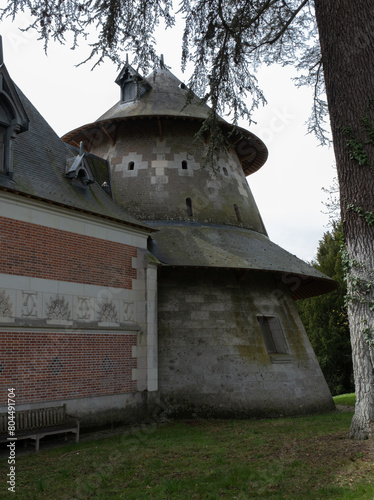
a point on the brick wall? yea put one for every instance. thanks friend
(51, 366)
(37, 251)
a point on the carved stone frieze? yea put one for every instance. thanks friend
(107, 313)
(58, 308)
(38, 307)
(84, 309)
(29, 304)
(128, 310)
(5, 305)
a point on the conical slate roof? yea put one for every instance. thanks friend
(166, 96)
(162, 95)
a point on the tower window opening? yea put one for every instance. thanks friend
(131, 165)
(237, 213)
(272, 334)
(189, 207)
(225, 171)
(184, 165)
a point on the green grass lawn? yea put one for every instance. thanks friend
(299, 458)
(346, 399)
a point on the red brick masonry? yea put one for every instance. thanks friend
(31, 250)
(49, 366)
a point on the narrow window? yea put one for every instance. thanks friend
(225, 171)
(272, 334)
(184, 165)
(237, 213)
(2, 149)
(131, 165)
(189, 207)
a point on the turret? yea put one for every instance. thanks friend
(157, 163)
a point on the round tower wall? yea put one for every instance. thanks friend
(216, 358)
(158, 173)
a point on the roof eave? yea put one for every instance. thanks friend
(143, 227)
(251, 151)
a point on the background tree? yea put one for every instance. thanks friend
(333, 41)
(326, 320)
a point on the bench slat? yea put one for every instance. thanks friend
(40, 422)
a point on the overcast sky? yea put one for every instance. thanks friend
(287, 189)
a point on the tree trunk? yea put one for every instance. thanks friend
(346, 32)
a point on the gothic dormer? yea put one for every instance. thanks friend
(80, 170)
(132, 85)
(13, 118)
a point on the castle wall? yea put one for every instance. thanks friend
(154, 174)
(212, 352)
(77, 322)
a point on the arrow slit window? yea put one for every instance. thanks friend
(189, 207)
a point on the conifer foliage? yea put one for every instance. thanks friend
(326, 319)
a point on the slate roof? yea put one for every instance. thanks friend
(166, 98)
(191, 244)
(40, 159)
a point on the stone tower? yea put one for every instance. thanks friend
(230, 341)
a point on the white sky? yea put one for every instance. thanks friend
(287, 189)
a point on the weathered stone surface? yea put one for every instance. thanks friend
(221, 367)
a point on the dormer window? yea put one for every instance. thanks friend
(13, 119)
(83, 176)
(80, 169)
(2, 147)
(5, 147)
(133, 86)
(129, 87)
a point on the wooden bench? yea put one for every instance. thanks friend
(38, 423)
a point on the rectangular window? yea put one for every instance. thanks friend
(273, 335)
(2, 149)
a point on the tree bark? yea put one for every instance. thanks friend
(346, 33)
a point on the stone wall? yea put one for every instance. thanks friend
(153, 176)
(212, 353)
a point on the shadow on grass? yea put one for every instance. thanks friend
(306, 457)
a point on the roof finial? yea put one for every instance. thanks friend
(1, 51)
(162, 64)
(127, 59)
(81, 149)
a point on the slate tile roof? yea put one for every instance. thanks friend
(40, 160)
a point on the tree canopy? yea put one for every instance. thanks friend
(225, 42)
(326, 319)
